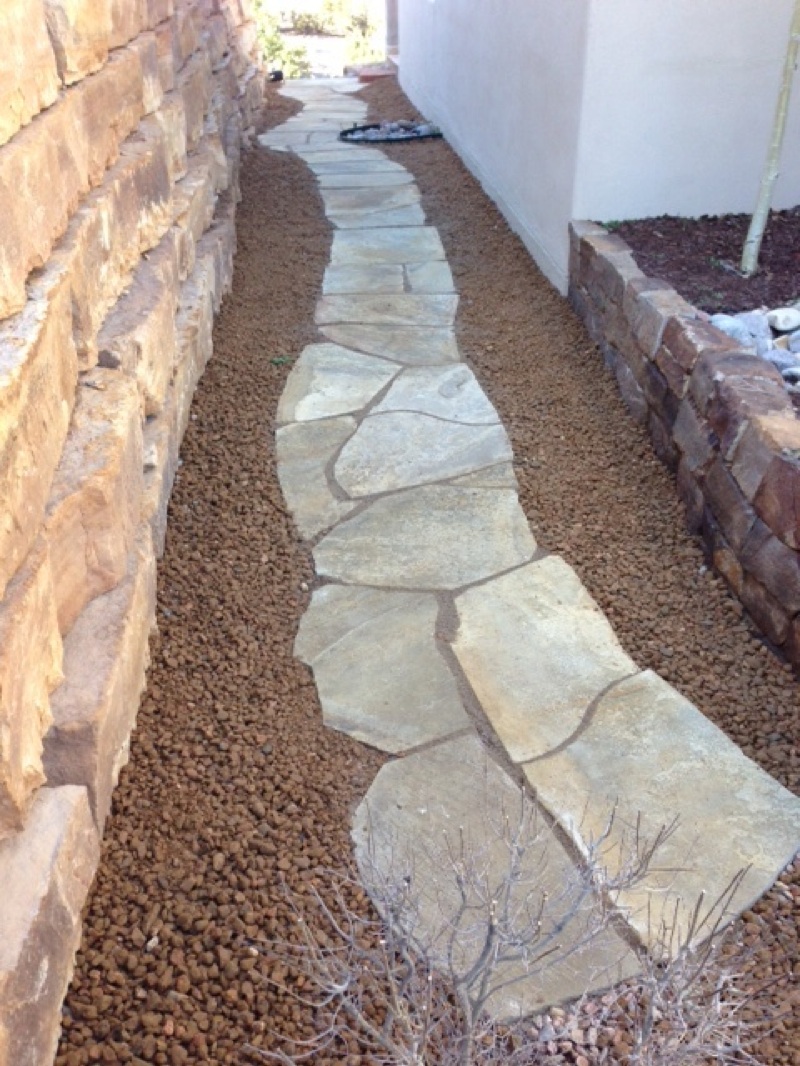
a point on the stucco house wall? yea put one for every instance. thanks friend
(603, 109)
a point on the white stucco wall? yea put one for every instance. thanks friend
(604, 109)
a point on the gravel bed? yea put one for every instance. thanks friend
(234, 786)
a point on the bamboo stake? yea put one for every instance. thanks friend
(752, 244)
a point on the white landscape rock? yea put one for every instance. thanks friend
(379, 674)
(399, 449)
(329, 380)
(537, 651)
(436, 537)
(784, 319)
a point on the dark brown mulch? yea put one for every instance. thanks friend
(700, 258)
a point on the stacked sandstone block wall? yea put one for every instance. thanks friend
(121, 128)
(720, 418)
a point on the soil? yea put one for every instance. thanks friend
(700, 258)
(234, 787)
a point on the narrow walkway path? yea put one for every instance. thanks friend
(443, 634)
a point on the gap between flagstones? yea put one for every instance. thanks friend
(768, 801)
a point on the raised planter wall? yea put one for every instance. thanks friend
(719, 418)
(121, 128)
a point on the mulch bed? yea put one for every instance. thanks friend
(234, 786)
(700, 258)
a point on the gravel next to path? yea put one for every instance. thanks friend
(233, 783)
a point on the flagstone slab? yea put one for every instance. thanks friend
(441, 822)
(437, 537)
(304, 450)
(318, 138)
(493, 477)
(450, 392)
(537, 651)
(430, 277)
(390, 245)
(399, 216)
(283, 139)
(359, 201)
(379, 675)
(359, 279)
(362, 180)
(329, 380)
(400, 449)
(649, 752)
(410, 345)
(380, 310)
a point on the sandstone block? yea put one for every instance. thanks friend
(694, 439)
(45, 871)
(636, 287)
(138, 336)
(158, 11)
(79, 31)
(650, 313)
(160, 465)
(692, 497)
(774, 564)
(754, 390)
(687, 338)
(166, 58)
(171, 119)
(75, 140)
(733, 513)
(194, 201)
(106, 656)
(767, 611)
(152, 91)
(195, 86)
(128, 19)
(727, 564)
(578, 229)
(93, 510)
(28, 75)
(38, 373)
(766, 464)
(185, 35)
(216, 41)
(661, 437)
(30, 668)
(719, 374)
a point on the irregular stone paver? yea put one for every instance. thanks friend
(411, 345)
(392, 245)
(346, 279)
(304, 450)
(564, 699)
(537, 650)
(373, 180)
(398, 216)
(404, 310)
(367, 201)
(421, 813)
(447, 392)
(329, 380)
(399, 449)
(412, 699)
(428, 538)
(649, 751)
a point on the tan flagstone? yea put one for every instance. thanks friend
(441, 822)
(647, 752)
(436, 537)
(363, 180)
(391, 245)
(450, 392)
(304, 450)
(381, 310)
(399, 216)
(537, 651)
(365, 201)
(400, 449)
(360, 279)
(493, 477)
(411, 345)
(379, 675)
(430, 277)
(330, 380)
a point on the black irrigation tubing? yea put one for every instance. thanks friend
(391, 137)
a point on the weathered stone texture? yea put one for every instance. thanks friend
(30, 668)
(720, 415)
(105, 660)
(45, 871)
(28, 75)
(95, 503)
(79, 31)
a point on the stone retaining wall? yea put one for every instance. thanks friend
(121, 128)
(719, 417)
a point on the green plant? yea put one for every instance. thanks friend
(291, 59)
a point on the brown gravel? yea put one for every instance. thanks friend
(233, 783)
(700, 258)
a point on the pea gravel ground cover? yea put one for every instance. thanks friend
(234, 788)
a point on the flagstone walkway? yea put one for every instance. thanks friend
(441, 634)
